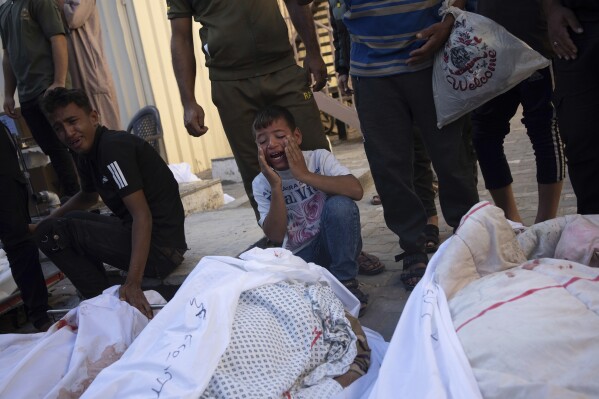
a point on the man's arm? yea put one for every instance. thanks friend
(302, 19)
(275, 223)
(60, 60)
(559, 19)
(184, 65)
(346, 185)
(340, 41)
(78, 202)
(435, 36)
(141, 235)
(10, 86)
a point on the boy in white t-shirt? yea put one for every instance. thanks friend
(306, 199)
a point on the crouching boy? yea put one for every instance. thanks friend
(306, 199)
(146, 238)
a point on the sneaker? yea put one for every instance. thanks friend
(353, 287)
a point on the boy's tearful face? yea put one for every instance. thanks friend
(273, 139)
(75, 127)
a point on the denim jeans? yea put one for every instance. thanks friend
(340, 240)
(81, 242)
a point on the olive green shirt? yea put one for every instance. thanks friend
(240, 38)
(26, 27)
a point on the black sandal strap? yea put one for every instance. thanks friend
(411, 259)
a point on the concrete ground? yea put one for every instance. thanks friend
(232, 229)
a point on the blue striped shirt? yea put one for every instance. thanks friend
(383, 34)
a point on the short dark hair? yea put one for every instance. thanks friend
(61, 97)
(267, 115)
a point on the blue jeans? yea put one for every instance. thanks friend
(340, 240)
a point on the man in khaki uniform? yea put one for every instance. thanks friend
(251, 64)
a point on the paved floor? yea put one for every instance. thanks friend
(232, 229)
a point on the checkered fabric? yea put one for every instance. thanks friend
(288, 341)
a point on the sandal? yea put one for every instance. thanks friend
(353, 287)
(376, 200)
(369, 265)
(414, 267)
(431, 238)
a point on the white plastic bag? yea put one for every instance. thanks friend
(182, 173)
(479, 61)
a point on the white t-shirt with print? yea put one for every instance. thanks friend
(304, 203)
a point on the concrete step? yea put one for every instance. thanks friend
(203, 195)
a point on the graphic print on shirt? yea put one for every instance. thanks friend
(303, 218)
(117, 175)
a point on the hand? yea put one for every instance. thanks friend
(52, 87)
(559, 19)
(32, 228)
(134, 296)
(9, 107)
(343, 82)
(316, 68)
(295, 158)
(271, 175)
(435, 35)
(193, 116)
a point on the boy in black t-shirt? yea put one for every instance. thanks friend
(147, 236)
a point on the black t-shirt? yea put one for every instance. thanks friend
(120, 164)
(585, 10)
(522, 18)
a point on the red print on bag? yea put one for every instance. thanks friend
(468, 62)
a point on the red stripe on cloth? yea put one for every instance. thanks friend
(472, 211)
(524, 295)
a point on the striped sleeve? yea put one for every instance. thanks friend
(122, 167)
(117, 175)
(383, 33)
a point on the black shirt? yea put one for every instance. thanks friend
(120, 164)
(585, 10)
(522, 18)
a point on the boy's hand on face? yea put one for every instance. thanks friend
(295, 158)
(271, 175)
